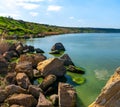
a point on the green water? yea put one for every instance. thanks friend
(99, 54)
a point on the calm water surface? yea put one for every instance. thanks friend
(99, 54)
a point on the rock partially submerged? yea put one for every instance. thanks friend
(110, 94)
(58, 46)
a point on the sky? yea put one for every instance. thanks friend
(70, 13)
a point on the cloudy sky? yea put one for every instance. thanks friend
(77, 13)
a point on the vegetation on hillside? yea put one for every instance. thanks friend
(11, 28)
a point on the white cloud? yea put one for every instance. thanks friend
(30, 0)
(71, 17)
(28, 6)
(14, 15)
(34, 14)
(54, 8)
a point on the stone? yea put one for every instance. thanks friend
(36, 73)
(22, 100)
(38, 50)
(110, 94)
(43, 102)
(75, 69)
(25, 67)
(31, 48)
(11, 66)
(12, 89)
(3, 95)
(15, 105)
(33, 58)
(19, 48)
(67, 95)
(54, 98)
(10, 78)
(47, 82)
(3, 65)
(58, 46)
(23, 80)
(55, 52)
(34, 90)
(67, 60)
(52, 66)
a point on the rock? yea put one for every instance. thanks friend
(22, 99)
(25, 67)
(3, 95)
(67, 60)
(31, 48)
(110, 94)
(34, 90)
(48, 81)
(10, 78)
(16, 105)
(23, 80)
(12, 89)
(36, 73)
(34, 58)
(19, 48)
(51, 66)
(12, 66)
(43, 102)
(67, 95)
(9, 55)
(58, 46)
(54, 98)
(12, 47)
(55, 52)
(3, 65)
(38, 50)
(75, 69)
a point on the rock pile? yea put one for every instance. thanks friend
(20, 90)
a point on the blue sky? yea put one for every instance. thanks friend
(72, 13)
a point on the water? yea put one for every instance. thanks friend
(99, 54)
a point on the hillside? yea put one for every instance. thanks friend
(11, 28)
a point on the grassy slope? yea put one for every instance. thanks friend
(11, 27)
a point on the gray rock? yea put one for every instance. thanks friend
(67, 60)
(58, 46)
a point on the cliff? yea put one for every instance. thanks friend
(110, 94)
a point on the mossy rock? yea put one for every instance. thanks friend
(39, 80)
(79, 80)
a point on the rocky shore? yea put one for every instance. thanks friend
(21, 66)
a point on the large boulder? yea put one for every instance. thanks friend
(58, 46)
(25, 67)
(67, 95)
(38, 50)
(33, 58)
(12, 89)
(22, 99)
(34, 90)
(23, 80)
(47, 82)
(3, 95)
(43, 102)
(52, 66)
(67, 60)
(110, 94)
(3, 65)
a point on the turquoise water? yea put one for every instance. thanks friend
(99, 54)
